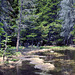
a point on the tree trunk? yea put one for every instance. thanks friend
(0, 36)
(18, 39)
(32, 42)
(5, 48)
(0, 41)
(18, 35)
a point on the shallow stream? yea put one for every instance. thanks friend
(63, 60)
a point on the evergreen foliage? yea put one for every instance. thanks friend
(33, 22)
(46, 22)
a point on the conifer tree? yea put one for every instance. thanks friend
(46, 21)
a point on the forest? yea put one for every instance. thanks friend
(38, 24)
(35, 22)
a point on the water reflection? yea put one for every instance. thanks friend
(27, 69)
(69, 54)
(65, 65)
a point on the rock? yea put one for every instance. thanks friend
(52, 51)
(36, 61)
(45, 66)
(39, 63)
(1, 58)
(10, 66)
(11, 62)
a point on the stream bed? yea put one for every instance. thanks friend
(63, 60)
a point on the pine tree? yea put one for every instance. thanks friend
(24, 16)
(67, 17)
(46, 22)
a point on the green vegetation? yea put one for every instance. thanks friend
(58, 47)
(17, 53)
(14, 60)
(14, 48)
(33, 22)
(6, 62)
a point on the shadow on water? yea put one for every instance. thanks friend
(8, 72)
(25, 69)
(1, 73)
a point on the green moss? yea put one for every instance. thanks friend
(14, 48)
(17, 53)
(41, 47)
(14, 60)
(6, 62)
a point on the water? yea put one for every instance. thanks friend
(64, 61)
(65, 64)
(25, 69)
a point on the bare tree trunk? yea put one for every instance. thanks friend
(0, 41)
(18, 39)
(0, 35)
(18, 35)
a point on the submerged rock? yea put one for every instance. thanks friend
(39, 64)
(45, 66)
(36, 61)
